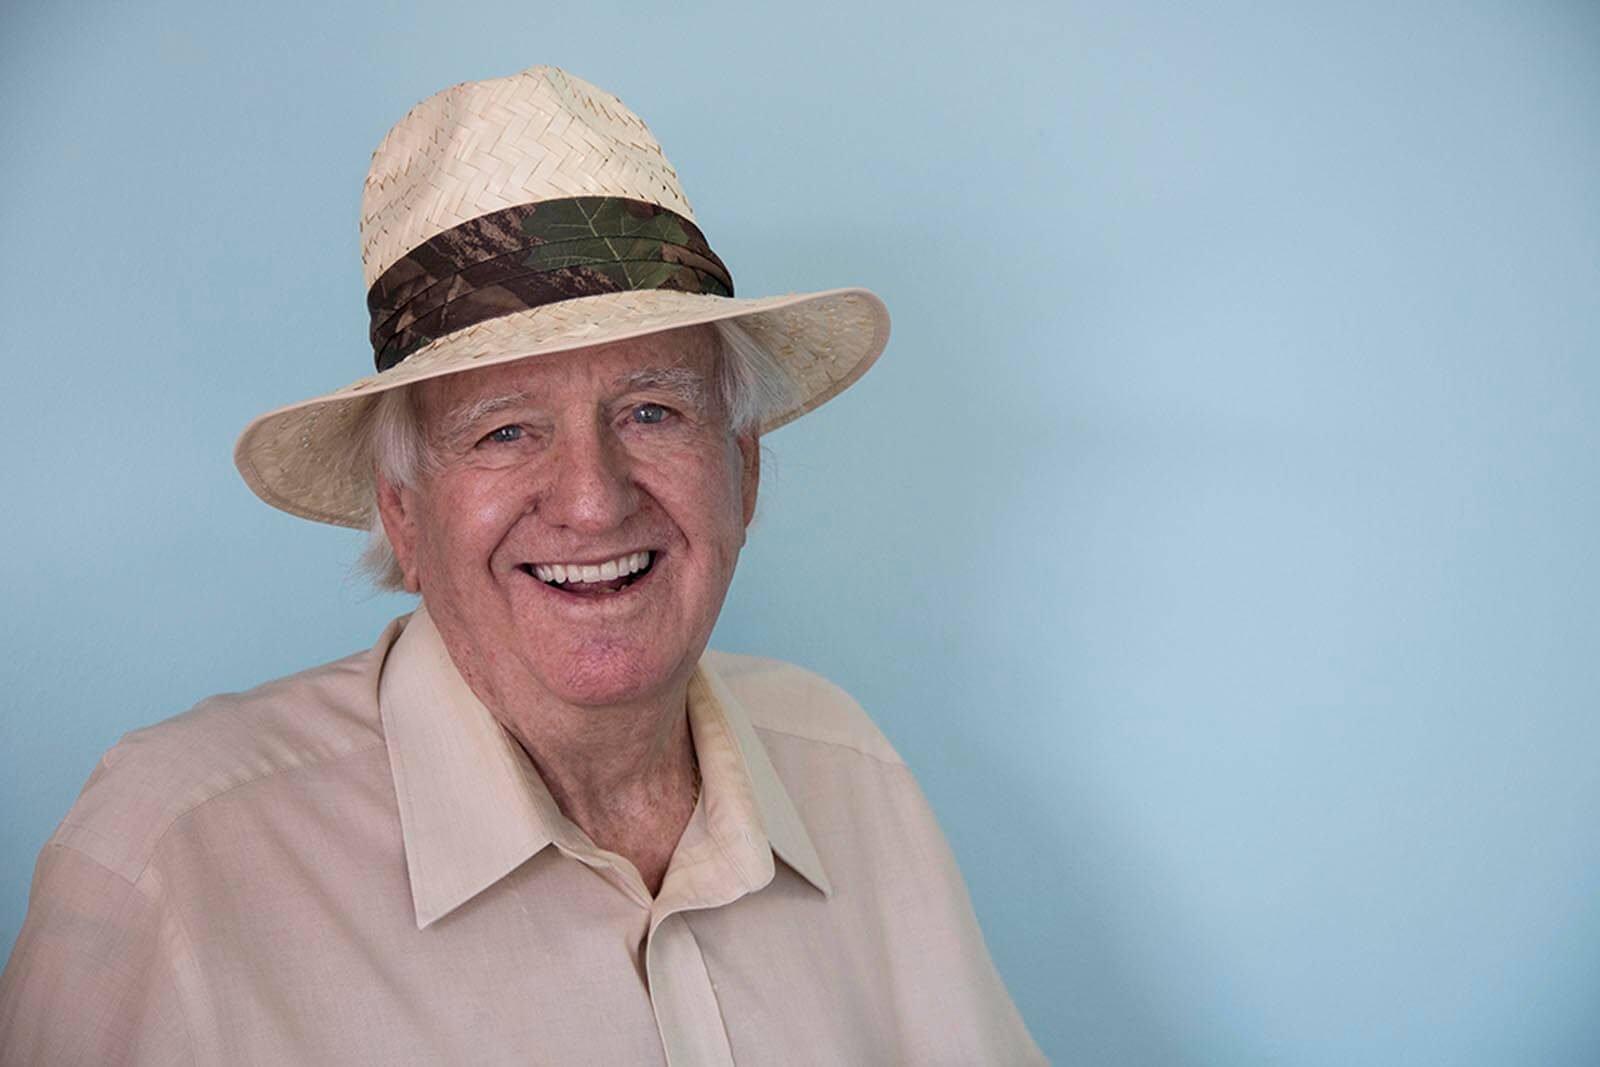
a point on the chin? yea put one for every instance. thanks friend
(612, 676)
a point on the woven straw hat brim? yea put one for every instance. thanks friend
(307, 458)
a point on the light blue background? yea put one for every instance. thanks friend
(1216, 539)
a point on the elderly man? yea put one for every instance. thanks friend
(537, 822)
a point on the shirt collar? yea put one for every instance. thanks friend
(473, 807)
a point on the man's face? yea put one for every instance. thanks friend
(617, 456)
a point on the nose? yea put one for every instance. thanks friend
(591, 489)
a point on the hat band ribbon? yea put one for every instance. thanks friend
(531, 255)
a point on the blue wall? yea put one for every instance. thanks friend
(1216, 539)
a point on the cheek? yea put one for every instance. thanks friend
(465, 520)
(708, 491)
(721, 496)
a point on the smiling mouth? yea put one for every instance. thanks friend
(593, 579)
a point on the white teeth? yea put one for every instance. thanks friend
(620, 567)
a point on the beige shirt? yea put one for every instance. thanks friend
(357, 865)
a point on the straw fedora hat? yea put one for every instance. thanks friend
(526, 216)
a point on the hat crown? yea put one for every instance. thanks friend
(482, 146)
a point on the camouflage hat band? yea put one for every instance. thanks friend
(534, 254)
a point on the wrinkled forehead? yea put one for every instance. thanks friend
(683, 361)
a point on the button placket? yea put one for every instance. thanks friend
(684, 998)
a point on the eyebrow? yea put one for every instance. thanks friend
(689, 386)
(466, 416)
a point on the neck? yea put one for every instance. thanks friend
(626, 774)
(600, 758)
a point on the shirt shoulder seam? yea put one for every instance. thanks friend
(857, 749)
(68, 846)
(179, 816)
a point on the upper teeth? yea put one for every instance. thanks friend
(620, 567)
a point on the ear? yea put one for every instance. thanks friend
(750, 473)
(396, 507)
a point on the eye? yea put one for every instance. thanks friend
(649, 414)
(504, 435)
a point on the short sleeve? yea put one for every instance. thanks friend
(962, 1010)
(92, 977)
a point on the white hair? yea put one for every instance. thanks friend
(751, 384)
